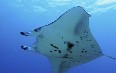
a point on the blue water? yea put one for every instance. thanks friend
(19, 15)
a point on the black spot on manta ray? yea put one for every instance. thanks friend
(65, 42)
(62, 37)
(86, 37)
(92, 46)
(59, 51)
(70, 45)
(50, 51)
(85, 31)
(70, 51)
(88, 40)
(73, 61)
(84, 51)
(80, 37)
(54, 46)
(78, 61)
(55, 50)
(77, 41)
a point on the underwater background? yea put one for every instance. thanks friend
(25, 15)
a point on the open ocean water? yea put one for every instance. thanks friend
(25, 15)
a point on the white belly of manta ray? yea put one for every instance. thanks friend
(67, 41)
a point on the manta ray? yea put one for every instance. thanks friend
(67, 42)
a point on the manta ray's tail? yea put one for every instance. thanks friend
(109, 57)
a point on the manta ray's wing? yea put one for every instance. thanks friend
(72, 20)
